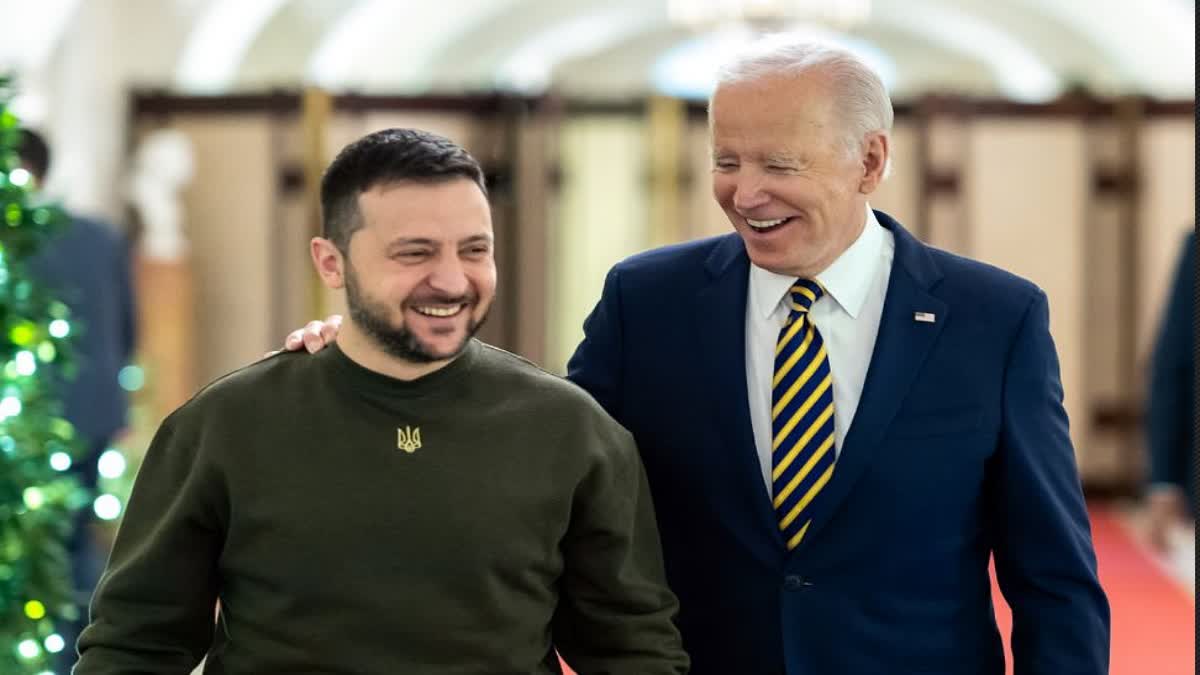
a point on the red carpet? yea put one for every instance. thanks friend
(1153, 616)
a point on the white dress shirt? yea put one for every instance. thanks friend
(847, 317)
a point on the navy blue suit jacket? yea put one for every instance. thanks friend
(959, 449)
(1172, 396)
(87, 267)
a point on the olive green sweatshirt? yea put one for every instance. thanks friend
(470, 521)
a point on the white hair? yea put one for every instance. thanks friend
(859, 94)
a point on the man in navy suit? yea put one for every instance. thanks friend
(841, 425)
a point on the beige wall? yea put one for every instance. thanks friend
(703, 217)
(229, 213)
(601, 218)
(535, 195)
(948, 149)
(899, 195)
(1026, 191)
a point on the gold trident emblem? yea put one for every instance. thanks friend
(408, 439)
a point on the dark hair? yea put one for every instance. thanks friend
(34, 154)
(387, 156)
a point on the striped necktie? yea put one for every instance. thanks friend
(802, 430)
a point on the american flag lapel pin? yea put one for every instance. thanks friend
(924, 317)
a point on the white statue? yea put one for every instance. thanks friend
(162, 166)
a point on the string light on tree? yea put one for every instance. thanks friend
(34, 498)
(131, 378)
(54, 643)
(60, 328)
(35, 610)
(10, 406)
(46, 352)
(107, 507)
(26, 364)
(112, 464)
(60, 461)
(28, 649)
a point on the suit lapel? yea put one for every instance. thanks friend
(720, 315)
(900, 350)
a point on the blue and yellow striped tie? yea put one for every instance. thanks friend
(802, 431)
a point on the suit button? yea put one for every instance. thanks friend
(794, 582)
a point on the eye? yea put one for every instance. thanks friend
(477, 251)
(411, 256)
(724, 164)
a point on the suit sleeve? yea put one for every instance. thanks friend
(1045, 561)
(153, 610)
(1171, 393)
(615, 612)
(596, 363)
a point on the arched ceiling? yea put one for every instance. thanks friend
(1025, 49)
(217, 46)
(1028, 48)
(26, 45)
(612, 33)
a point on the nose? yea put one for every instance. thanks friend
(748, 192)
(449, 276)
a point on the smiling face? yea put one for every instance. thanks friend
(782, 172)
(420, 274)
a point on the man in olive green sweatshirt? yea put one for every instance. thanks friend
(410, 501)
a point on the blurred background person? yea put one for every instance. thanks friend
(87, 266)
(1171, 413)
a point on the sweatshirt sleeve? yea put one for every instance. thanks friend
(615, 612)
(153, 610)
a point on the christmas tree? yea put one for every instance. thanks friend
(37, 494)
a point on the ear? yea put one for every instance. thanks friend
(876, 150)
(328, 261)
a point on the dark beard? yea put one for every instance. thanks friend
(371, 318)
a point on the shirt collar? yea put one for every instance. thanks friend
(847, 280)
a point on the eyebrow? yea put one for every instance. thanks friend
(778, 157)
(433, 243)
(404, 242)
(784, 158)
(477, 239)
